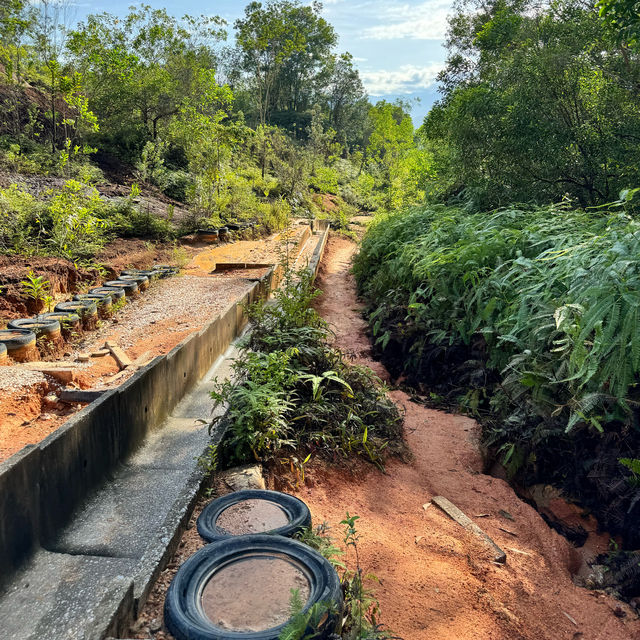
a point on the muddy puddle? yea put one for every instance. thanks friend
(253, 593)
(251, 516)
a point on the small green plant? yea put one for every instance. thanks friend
(37, 288)
(179, 256)
(633, 464)
(361, 610)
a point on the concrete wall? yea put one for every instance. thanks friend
(41, 485)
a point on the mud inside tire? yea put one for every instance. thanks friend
(184, 612)
(296, 513)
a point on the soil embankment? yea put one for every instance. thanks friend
(437, 581)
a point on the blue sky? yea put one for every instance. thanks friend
(397, 44)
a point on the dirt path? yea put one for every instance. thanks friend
(437, 581)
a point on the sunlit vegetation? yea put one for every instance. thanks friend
(251, 131)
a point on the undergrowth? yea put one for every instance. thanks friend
(361, 609)
(294, 396)
(527, 318)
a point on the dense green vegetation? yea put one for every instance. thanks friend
(526, 315)
(540, 102)
(294, 396)
(529, 319)
(249, 131)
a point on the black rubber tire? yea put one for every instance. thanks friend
(207, 232)
(81, 307)
(129, 286)
(39, 326)
(296, 510)
(3, 351)
(183, 613)
(17, 338)
(116, 293)
(166, 270)
(233, 227)
(140, 280)
(63, 317)
(101, 299)
(223, 231)
(151, 274)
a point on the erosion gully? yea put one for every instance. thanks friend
(437, 581)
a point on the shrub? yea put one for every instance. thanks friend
(528, 317)
(295, 396)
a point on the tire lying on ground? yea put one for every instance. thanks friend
(240, 588)
(129, 287)
(166, 270)
(3, 353)
(103, 301)
(20, 344)
(115, 293)
(86, 309)
(151, 274)
(46, 327)
(140, 280)
(207, 235)
(69, 321)
(253, 511)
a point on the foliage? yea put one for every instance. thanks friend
(294, 396)
(623, 18)
(361, 608)
(538, 101)
(36, 287)
(532, 314)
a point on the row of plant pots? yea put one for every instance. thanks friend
(19, 340)
(243, 583)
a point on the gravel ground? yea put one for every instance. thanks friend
(188, 301)
(13, 379)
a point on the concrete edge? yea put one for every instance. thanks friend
(42, 484)
(166, 542)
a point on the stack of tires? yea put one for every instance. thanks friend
(25, 338)
(242, 584)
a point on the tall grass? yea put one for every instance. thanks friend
(531, 317)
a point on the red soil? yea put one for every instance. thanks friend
(437, 581)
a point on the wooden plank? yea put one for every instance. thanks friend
(121, 357)
(80, 395)
(45, 366)
(464, 521)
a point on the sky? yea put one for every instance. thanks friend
(397, 44)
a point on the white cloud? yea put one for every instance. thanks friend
(422, 21)
(406, 79)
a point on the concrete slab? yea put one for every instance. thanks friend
(121, 518)
(66, 597)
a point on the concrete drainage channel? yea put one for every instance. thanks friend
(90, 516)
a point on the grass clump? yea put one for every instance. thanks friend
(294, 396)
(528, 319)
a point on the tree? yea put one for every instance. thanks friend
(141, 69)
(538, 103)
(401, 166)
(623, 18)
(283, 47)
(346, 100)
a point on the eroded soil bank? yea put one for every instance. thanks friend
(438, 582)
